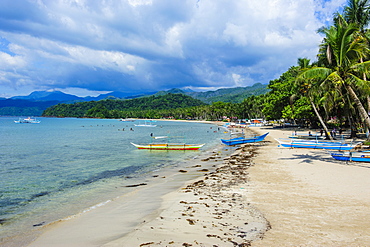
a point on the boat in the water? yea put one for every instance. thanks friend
(27, 120)
(352, 156)
(127, 120)
(169, 146)
(242, 140)
(317, 144)
(146, 124)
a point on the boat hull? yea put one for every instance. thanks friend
(351, 156)
(241, 140)
(318, 145)
(27, 120)
(168, 146)
(145, 125)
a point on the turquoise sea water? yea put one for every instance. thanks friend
(63, 166)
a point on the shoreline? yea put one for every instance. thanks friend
(212, 211)
(55, 234)
(111, 188)
(286, 197)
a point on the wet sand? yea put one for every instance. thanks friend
(261, 195)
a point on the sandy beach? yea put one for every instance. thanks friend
(256, 195)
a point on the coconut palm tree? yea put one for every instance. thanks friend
(310, 88)
(341, 58)
(358, 11)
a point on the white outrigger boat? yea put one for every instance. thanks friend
(27, 120)
(146, 124)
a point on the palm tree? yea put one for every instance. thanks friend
(342, 53)
(358, 11)
(312, 90)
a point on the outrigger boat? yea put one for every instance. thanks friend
(308, 137)
(27, 120)
(352, 156)
(317, 144)
(242, 140)
(145, 124)
(169, 146)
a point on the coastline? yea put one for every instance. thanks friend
(304, 196)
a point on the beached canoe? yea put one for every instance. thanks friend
(352, 156)
(292, 143)
(168, 146)
(242, 140)
(308, 137)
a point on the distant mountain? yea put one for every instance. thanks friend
(35, 103)
(233, 95)
(118, 95)
(49, 96)
(68, 98)
(20, 107)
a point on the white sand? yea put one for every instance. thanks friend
(308, 199)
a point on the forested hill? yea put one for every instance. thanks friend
(114, 108)
(232, 95)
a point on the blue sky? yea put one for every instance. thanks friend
(87, 47)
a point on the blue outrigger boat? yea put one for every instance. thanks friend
(352, 156)
(316, 144)
(242, 140)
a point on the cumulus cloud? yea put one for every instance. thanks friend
(147, 45)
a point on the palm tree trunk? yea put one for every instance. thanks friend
(360, 107)
(327, 133)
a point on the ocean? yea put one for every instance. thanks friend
(65, 166)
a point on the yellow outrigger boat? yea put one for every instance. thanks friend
(169, 146)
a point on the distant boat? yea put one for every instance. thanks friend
(126, 120)
(317, 144)
(242, 140)
(352, 156)
(169, 146)
(160, 137)
(145, 124)
(27, 120)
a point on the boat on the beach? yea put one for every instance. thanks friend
(317, 144)
(352, 156)
(308, 137)
(27, 120)
(168, 146)
(242, 140)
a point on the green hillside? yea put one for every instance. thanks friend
(114, 108)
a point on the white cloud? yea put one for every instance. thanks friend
(140, 2)
(11, 62)
(151, 45)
